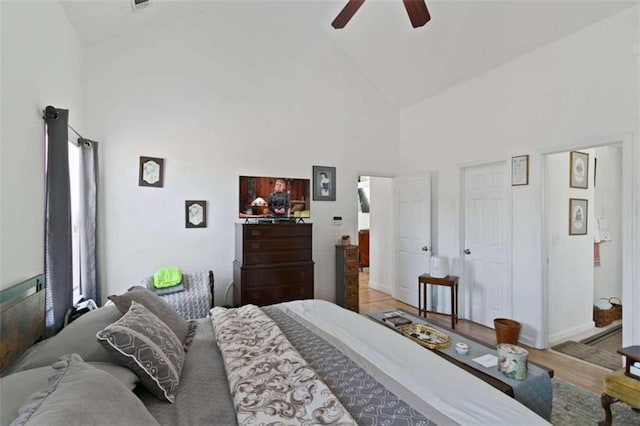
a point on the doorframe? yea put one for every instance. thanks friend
(464, 298)
(630, 244)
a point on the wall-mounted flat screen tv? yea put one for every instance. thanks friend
(274, 197)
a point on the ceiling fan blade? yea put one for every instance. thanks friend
(418, 12)
(347, 13)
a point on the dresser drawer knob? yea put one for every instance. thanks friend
(255, 245)
(255, 232)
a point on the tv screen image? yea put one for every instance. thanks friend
(274, 197)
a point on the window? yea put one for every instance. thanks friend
(74, 187)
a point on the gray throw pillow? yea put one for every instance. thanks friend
(78, 337)
(79, 394)
(182, 328)
(146, 345)
(17, 387)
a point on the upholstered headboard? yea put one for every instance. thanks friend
(21, 318)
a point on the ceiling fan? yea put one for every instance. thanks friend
(417, 10)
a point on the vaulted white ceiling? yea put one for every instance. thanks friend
(462, 40)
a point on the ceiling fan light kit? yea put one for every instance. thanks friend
(416, 9)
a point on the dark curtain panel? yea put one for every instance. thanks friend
(57, 239)
(88, 219)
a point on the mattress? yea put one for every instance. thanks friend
(378, 376)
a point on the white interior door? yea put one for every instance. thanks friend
(412, 229)
(487, 240)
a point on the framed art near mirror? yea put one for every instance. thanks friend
(195, 214)
(151, 172)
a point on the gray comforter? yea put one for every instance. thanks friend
(204, 397)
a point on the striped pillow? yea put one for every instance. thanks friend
(143, 343)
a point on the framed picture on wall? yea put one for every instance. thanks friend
(578, 216)
(520, 170)
(324, 183)
(579, 170)
(151, 172)
(195, 214)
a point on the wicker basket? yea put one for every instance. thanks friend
(604, 317)
(617, 308)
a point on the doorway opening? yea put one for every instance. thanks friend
(375, 234)
(584, 250)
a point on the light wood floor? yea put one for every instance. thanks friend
(572, 370)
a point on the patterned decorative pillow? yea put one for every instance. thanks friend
(143, 343)
(182, 328)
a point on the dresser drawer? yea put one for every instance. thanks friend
(257, 258)
(291, 243)
(351, 253)
(277, 294)
(351, 268)
(352, 292)
(352, 304)
(351, 281)
(270, 276)
(283, 230)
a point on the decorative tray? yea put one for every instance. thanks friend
(427, 336)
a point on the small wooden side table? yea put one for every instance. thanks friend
(450, 281)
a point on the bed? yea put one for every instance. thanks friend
(301, 362)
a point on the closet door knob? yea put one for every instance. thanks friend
(467, 251)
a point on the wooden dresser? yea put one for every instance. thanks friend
(347, 277)
(273, 263)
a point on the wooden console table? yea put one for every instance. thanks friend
(535, 392)
(450, 281)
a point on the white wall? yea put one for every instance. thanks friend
(579, 89)
(607, 206)
(217, 100)
(381, 235)
(41, 65)
(570, 269)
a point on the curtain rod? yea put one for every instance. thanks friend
(50, 112)
(75, 131)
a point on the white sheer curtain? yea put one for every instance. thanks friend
(88, 219)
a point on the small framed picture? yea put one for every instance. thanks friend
(151, 172)
(195, 214)
(579, 170)
(324, 183)
(578, 216)
(520, 170)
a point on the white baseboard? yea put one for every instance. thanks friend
(377, 286)
(559, 337)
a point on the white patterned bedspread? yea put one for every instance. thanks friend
(270, 382)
